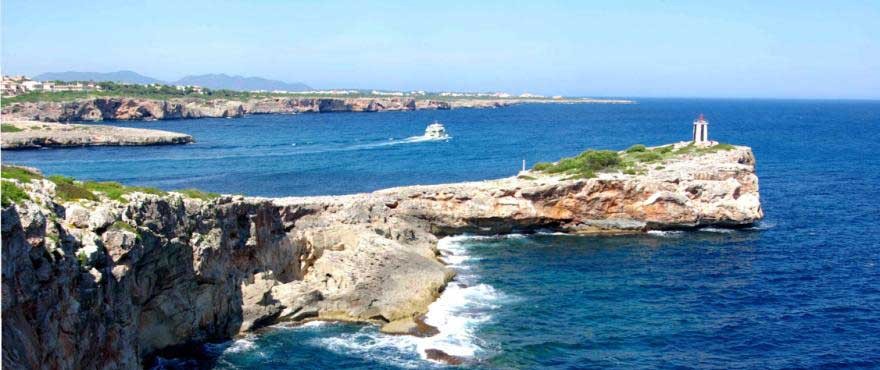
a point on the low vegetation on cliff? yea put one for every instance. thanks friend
(630, 161)
(9, 128)
(69, 189)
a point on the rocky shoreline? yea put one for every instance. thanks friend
(134, 109)
(105, 283)
(33, 135)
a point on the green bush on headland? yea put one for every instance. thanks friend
(584, 165)
(629, 161)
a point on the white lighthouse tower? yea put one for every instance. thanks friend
(701, 131)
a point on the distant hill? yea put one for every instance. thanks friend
(211, 81)
(119, 76)
(223, 81)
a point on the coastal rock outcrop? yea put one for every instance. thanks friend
(104, 284)
(115, 108)
(32, 134)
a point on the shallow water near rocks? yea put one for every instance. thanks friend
(797, 290)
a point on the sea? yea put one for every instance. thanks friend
(800, 289)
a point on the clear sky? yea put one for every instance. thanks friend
(782, 49)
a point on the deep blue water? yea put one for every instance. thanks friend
(801, 289)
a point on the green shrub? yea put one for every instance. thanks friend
(115, 190)
(18, 173)
(67, 189)
(600, 159)
(630, 171)
(721, 147)
(112, 190)
(198, 194)
(542, 166)
(650, 156)
(9, 128)
(636, 148)
(10, 193)
(664, 149)
(584, 165)
(82, 258)
(122, 225)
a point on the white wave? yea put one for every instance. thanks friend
(461, 309)
(241, 345)
(717, 230)
(666, 233)
(370, 344)
(234, 346)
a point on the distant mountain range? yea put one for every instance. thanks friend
(119, 76)
(222, 81)
(211, 81)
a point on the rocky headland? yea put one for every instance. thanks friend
(33, 134)
(115, 108)
(105, 281)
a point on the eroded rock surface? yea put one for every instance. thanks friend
(112, 108)
(35, 134)
(104, 284)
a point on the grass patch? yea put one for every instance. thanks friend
(198, 194)
(5, 127)
(525, 177)
(67, 189)
(121, 225)
(636, 148)
(115, 190)
(11, 193)
(18, 173)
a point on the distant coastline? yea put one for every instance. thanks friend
(120, 108)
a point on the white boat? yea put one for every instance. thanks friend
(435, 131)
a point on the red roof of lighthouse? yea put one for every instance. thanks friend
(701, 118)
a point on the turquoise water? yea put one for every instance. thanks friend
(797, 290)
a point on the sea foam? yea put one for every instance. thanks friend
(458, 313)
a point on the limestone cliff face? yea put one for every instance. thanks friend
(102, 109)
(103, 284)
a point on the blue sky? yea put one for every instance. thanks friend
(781, 49)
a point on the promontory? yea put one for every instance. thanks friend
(99, 275)
(33, 134)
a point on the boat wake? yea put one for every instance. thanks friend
(285, 150)
(409, 140)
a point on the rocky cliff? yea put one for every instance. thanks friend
(102, 284)
(102, 109)
(99, 109)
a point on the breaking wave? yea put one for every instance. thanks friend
(458, 313)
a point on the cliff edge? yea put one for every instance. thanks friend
(134, 109)
(102, 281)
